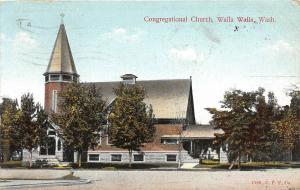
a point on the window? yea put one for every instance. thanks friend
(169, 141)
(171, 157)
(75, 79)
(138, 157)
(99, 139)
(67, 78)
(47, 78)
(59, 145)
(129, 81)
(43, 150)
(49, 147)
(51, 133)
(93, 157)
(54, 77)
(54, 100)
(116, 157)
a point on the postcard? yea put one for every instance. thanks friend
(150, 94)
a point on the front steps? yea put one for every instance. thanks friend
(188, 165)
(188, 159)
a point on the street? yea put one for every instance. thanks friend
(271, 179)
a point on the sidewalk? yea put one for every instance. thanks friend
(16, 184)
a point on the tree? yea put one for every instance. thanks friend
(81, 115)
(9, 140)
(130, 119)
(246, 119)
(32, 124)
(288, 128)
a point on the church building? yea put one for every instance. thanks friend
(177, 139)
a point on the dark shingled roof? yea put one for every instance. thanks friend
(169, 98)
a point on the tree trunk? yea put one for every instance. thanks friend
(130, 158)
(79, 159)
(239, 160)
(21, 155)
(30, 160)
(232, 163)
(6, 150)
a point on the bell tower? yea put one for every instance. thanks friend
(61, 70)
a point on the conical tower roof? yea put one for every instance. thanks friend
(61, 60)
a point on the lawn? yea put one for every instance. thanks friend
(11, 164)
(244, 166)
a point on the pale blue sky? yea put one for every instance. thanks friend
(109, 39)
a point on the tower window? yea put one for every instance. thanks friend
(54, 77)
(74, 79)
(54, 101)
(47, 78)
(67, 78)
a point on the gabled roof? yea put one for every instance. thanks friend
(169, 98)
(61, 60)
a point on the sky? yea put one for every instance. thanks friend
(109, 39)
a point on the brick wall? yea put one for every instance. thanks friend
(49, 87)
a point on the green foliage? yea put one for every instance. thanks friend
(288, 129)
(246, 119)
(8, 124)
(255, 165)
(32, 124)
(11, 164)
(82, 112)
(32, 121)
(131, 120)
(24, 126)
(210, 162)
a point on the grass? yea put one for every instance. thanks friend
(70, 177)
(104, 166)
(61, 167)
(254, 165)
(210, 162)
(244, 166)
(11, 164)
(213, 164)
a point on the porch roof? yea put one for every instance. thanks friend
(197, 132)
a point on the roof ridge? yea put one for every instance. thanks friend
(142, 80)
